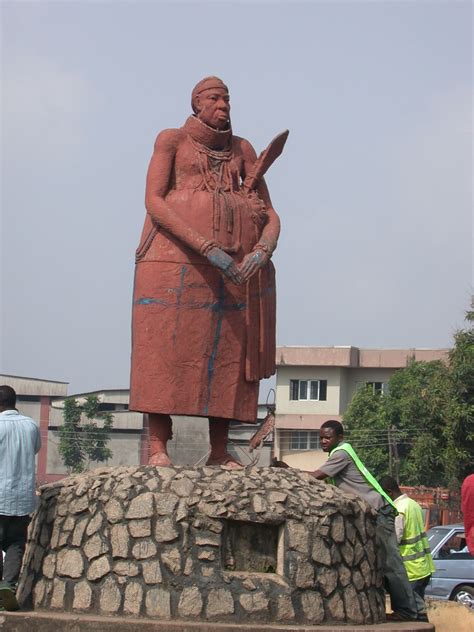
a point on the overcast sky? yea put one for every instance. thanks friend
(373, 189)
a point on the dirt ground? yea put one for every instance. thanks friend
(448, 616)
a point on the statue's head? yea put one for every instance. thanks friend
(210, 102)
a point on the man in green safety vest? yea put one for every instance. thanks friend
(350, 475)
(412, 540)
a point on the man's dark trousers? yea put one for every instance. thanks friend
(399, 588)
(13, 533)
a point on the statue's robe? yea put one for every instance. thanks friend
(200, 343)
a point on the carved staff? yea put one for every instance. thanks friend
(264, 162)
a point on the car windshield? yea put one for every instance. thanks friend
(435, 535)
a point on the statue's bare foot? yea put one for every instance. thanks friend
(225, 460)
(161, 459)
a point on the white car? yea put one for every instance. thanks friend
(454, 575)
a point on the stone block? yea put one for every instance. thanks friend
(320, 552)
(143, 549)
(171, 558)
(312, 606)
(133, 598)
(352, 606)
(335, 608)
(114, 510)
(151, 572)
(82, 596)
(98, 568)
(337, 529)
(120, 540)
(78, 532)
(165, 504)
(59, 592)
(298, 536)
(327, 580)
(95, 546)
(219, 603)
(190, 602)
(165, 530)
(110, 596)
(126, 568)
(182, 487)
(70, 563)
(284, 608)
(254, 603)
(141, 506)
(49, 565)
(95, 524)
(158, 603)
(140, 528)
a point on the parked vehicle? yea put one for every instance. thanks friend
(454, 575)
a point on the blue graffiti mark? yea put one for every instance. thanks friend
(217, 308)
(179, 295)
(211, 305)
(151, 301)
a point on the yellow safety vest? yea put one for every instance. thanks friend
(414, 547)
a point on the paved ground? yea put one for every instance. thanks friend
(48, 622)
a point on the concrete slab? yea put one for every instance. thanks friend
(59, 622)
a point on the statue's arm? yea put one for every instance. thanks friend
(157, 186)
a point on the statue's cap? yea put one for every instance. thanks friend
(206, 84)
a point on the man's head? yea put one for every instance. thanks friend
(390, 486)
(210, 102)
(7, 398)
(331, 434)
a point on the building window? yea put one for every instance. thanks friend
(304, 440)
(378, 387)
(28, 398)
(315, 390)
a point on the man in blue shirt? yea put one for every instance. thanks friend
(19, 442)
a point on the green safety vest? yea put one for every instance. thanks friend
(414, 547)
(371, 480)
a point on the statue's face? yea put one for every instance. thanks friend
(214, 107)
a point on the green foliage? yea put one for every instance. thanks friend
(422, 430)
(459, 430)
(81, 443)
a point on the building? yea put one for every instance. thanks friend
(43, 401)
(34, 399)
(315, 384)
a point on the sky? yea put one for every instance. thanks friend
(374, 188)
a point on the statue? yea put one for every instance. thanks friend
(203, 330)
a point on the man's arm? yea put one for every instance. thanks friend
(319, 475)
(37, 440)
(399, 526)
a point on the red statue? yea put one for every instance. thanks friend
(203, 331)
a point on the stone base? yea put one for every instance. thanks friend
(47, 622)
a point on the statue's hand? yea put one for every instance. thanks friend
(253, 262)
(225, 264)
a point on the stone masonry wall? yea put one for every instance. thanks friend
(151, 542)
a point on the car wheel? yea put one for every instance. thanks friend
(465, 595)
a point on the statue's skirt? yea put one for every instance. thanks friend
(200, 343)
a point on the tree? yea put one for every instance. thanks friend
(425, 422)
(81, 443)
(459, 431)
(401, 433)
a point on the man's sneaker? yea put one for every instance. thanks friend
(8, 598)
